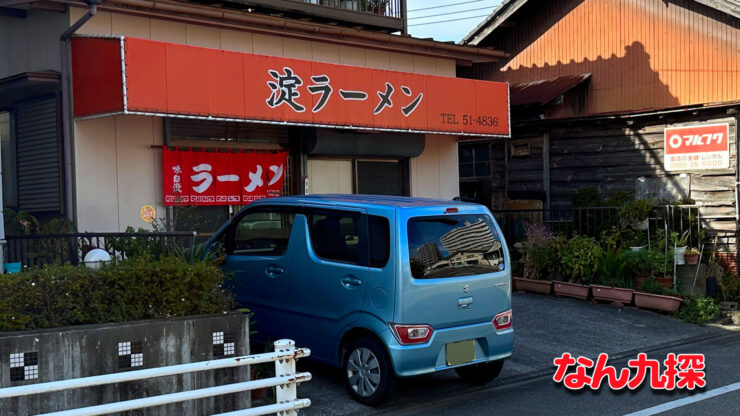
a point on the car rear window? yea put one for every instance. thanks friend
(453, 245)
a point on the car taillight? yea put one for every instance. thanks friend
(413, 334)
(502, 321)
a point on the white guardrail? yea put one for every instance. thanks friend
(285, 381)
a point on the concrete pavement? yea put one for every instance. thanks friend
(545, 327)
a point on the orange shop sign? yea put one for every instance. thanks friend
(697, 147)
(136, 76)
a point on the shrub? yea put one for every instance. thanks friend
(539, 255)
(587, 197)
(635, 211)
(133, 289)
(611, 269)
(636, 262)
(699, 310)
(579, 258)
(651, 285)
(728, 285)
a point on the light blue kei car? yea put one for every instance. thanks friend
(382, 286)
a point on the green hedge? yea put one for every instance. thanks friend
(132, 289)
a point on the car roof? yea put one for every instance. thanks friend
(379, 201)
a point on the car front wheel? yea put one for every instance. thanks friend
(480, 373)
(368, 373)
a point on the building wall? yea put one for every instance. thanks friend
(117, 171)
(641, 54)
(435, 173)
(31, 44)
(105, 23)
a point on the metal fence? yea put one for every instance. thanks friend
(43, 249)
(285, 381)
(592, 221)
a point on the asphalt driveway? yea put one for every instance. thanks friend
(545, 327)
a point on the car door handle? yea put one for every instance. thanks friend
(350, 281)
(274, 270)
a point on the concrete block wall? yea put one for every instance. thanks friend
(57, 354)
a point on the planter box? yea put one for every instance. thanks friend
(657, 302)
(533, 286)
(91, 350)
(614, 294)
(572, 290)
(728, 306)
(665, 282)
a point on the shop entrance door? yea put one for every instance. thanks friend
(380, 177)
(329, 176)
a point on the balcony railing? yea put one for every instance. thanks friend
(388, 8)
(377, 15)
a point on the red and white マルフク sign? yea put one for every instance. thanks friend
(217, 178)
(697, 147)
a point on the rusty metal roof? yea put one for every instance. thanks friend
(508, 8)
(545, 90)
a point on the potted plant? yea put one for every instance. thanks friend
(728, 285)
(653, 296)
(658, 267)
(636, 240)
(610, 279)
(691, 255)
(376, 6)
(636, 264)
(579, 261)
(679, 242)
(635, 214)
(538, 258)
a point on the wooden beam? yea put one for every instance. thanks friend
(10, 12)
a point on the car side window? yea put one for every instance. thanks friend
(335, 235)
(263, 233)
(379, 240)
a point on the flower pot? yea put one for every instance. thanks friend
(572, 290)
(691, 258)
(533, 286)
(379, 9)
(678, 256)
(657, 302)
(638, 248)
(640, 225)
(613, 294)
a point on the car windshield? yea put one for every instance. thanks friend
(453, 245)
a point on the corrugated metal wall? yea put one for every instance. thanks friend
(38, 155)
(642, 53)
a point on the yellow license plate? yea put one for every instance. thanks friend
(462, 352)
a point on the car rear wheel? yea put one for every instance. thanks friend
(368, 373)
(480, 373)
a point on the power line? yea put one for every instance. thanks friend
(449, 13)
(446, 5)
(451, 20)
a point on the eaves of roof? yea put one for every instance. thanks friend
(185, 11)
(508, 8)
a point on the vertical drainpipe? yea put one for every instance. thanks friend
(404, 16)
(67, 116)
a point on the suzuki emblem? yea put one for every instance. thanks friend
(466, 288)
